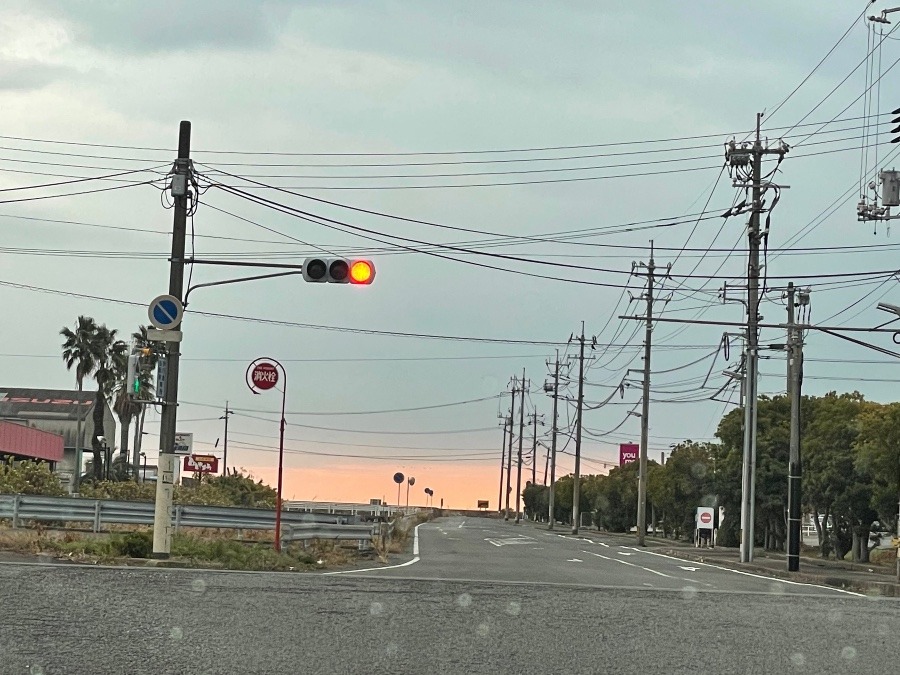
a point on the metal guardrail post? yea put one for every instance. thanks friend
(97, 507)
(15, 517)
(177, 517)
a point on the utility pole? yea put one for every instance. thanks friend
(228, 413)
(645, 407)
(180, 188)
(521, 435)
(512, 408)
(502, 463)
(534, 445)
(740, 158)
(795, 468)
(553, 442)
(576, 483)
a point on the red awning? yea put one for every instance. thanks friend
(17, 439)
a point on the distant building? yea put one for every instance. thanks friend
(56, 412)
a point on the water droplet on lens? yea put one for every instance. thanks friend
(198, 585)
(36, 670)
(376, 608)
(776, 588)
(689, 592)
(848, 653)
(513, 608)
(391, 648)
(176, 633)
(482, 630)
(834, 615)
(464, 600)
(798, 659)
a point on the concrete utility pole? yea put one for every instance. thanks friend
(576, 484)
(502, 463)
(512, 408)
(165, 474)
(534, 445)
(741, 157)
(795, 468)
(645, 407)
(521, 435)
(553, 441)
(228, 413)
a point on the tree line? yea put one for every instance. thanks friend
(851, 478)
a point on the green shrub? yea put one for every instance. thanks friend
(29, 478)
(136, 544)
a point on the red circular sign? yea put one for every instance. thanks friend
(264, 375)
(705, 517)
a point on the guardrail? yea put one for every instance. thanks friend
(297, 526)
(382, 510)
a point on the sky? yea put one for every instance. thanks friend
(495, 127)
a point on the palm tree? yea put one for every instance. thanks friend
(124, 406)
(108, 351)
(78, 352)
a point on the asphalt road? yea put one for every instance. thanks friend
(480, 597)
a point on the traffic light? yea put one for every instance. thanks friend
(133, 383)
(138, 362)
(338, 271)
(896, 130)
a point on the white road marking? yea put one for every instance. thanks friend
(388, 567)
(689, 569)
(757, 576)
(461, 524)
(509, 541)
(625, 562)
(623, 553)
(602, 544)
(574, 560)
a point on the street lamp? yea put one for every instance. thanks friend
(144, 458)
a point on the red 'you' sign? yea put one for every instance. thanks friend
(265, 375)
(628, 452)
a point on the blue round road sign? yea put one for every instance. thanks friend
(165, 312)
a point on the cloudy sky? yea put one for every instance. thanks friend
(570, 133)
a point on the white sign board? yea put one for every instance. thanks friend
(705, 517)
(184, 444)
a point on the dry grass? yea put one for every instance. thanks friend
(204, 547)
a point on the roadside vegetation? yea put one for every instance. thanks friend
(851, 455)
(208, 550)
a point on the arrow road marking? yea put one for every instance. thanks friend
(689, 569)
(574, 560)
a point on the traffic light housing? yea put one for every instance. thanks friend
(138, 361)
(338, 271)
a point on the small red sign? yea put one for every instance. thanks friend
(264, 375)
(706, 517)
(201, 464)
(628, 452)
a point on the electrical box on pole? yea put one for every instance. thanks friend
(890, 187)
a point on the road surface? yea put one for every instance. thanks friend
(479, 596)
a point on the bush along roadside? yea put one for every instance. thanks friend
(131, 548)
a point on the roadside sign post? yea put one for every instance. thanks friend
(398, 479)
(706, 523)
(264, 374)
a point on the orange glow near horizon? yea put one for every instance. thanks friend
(459, 485)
